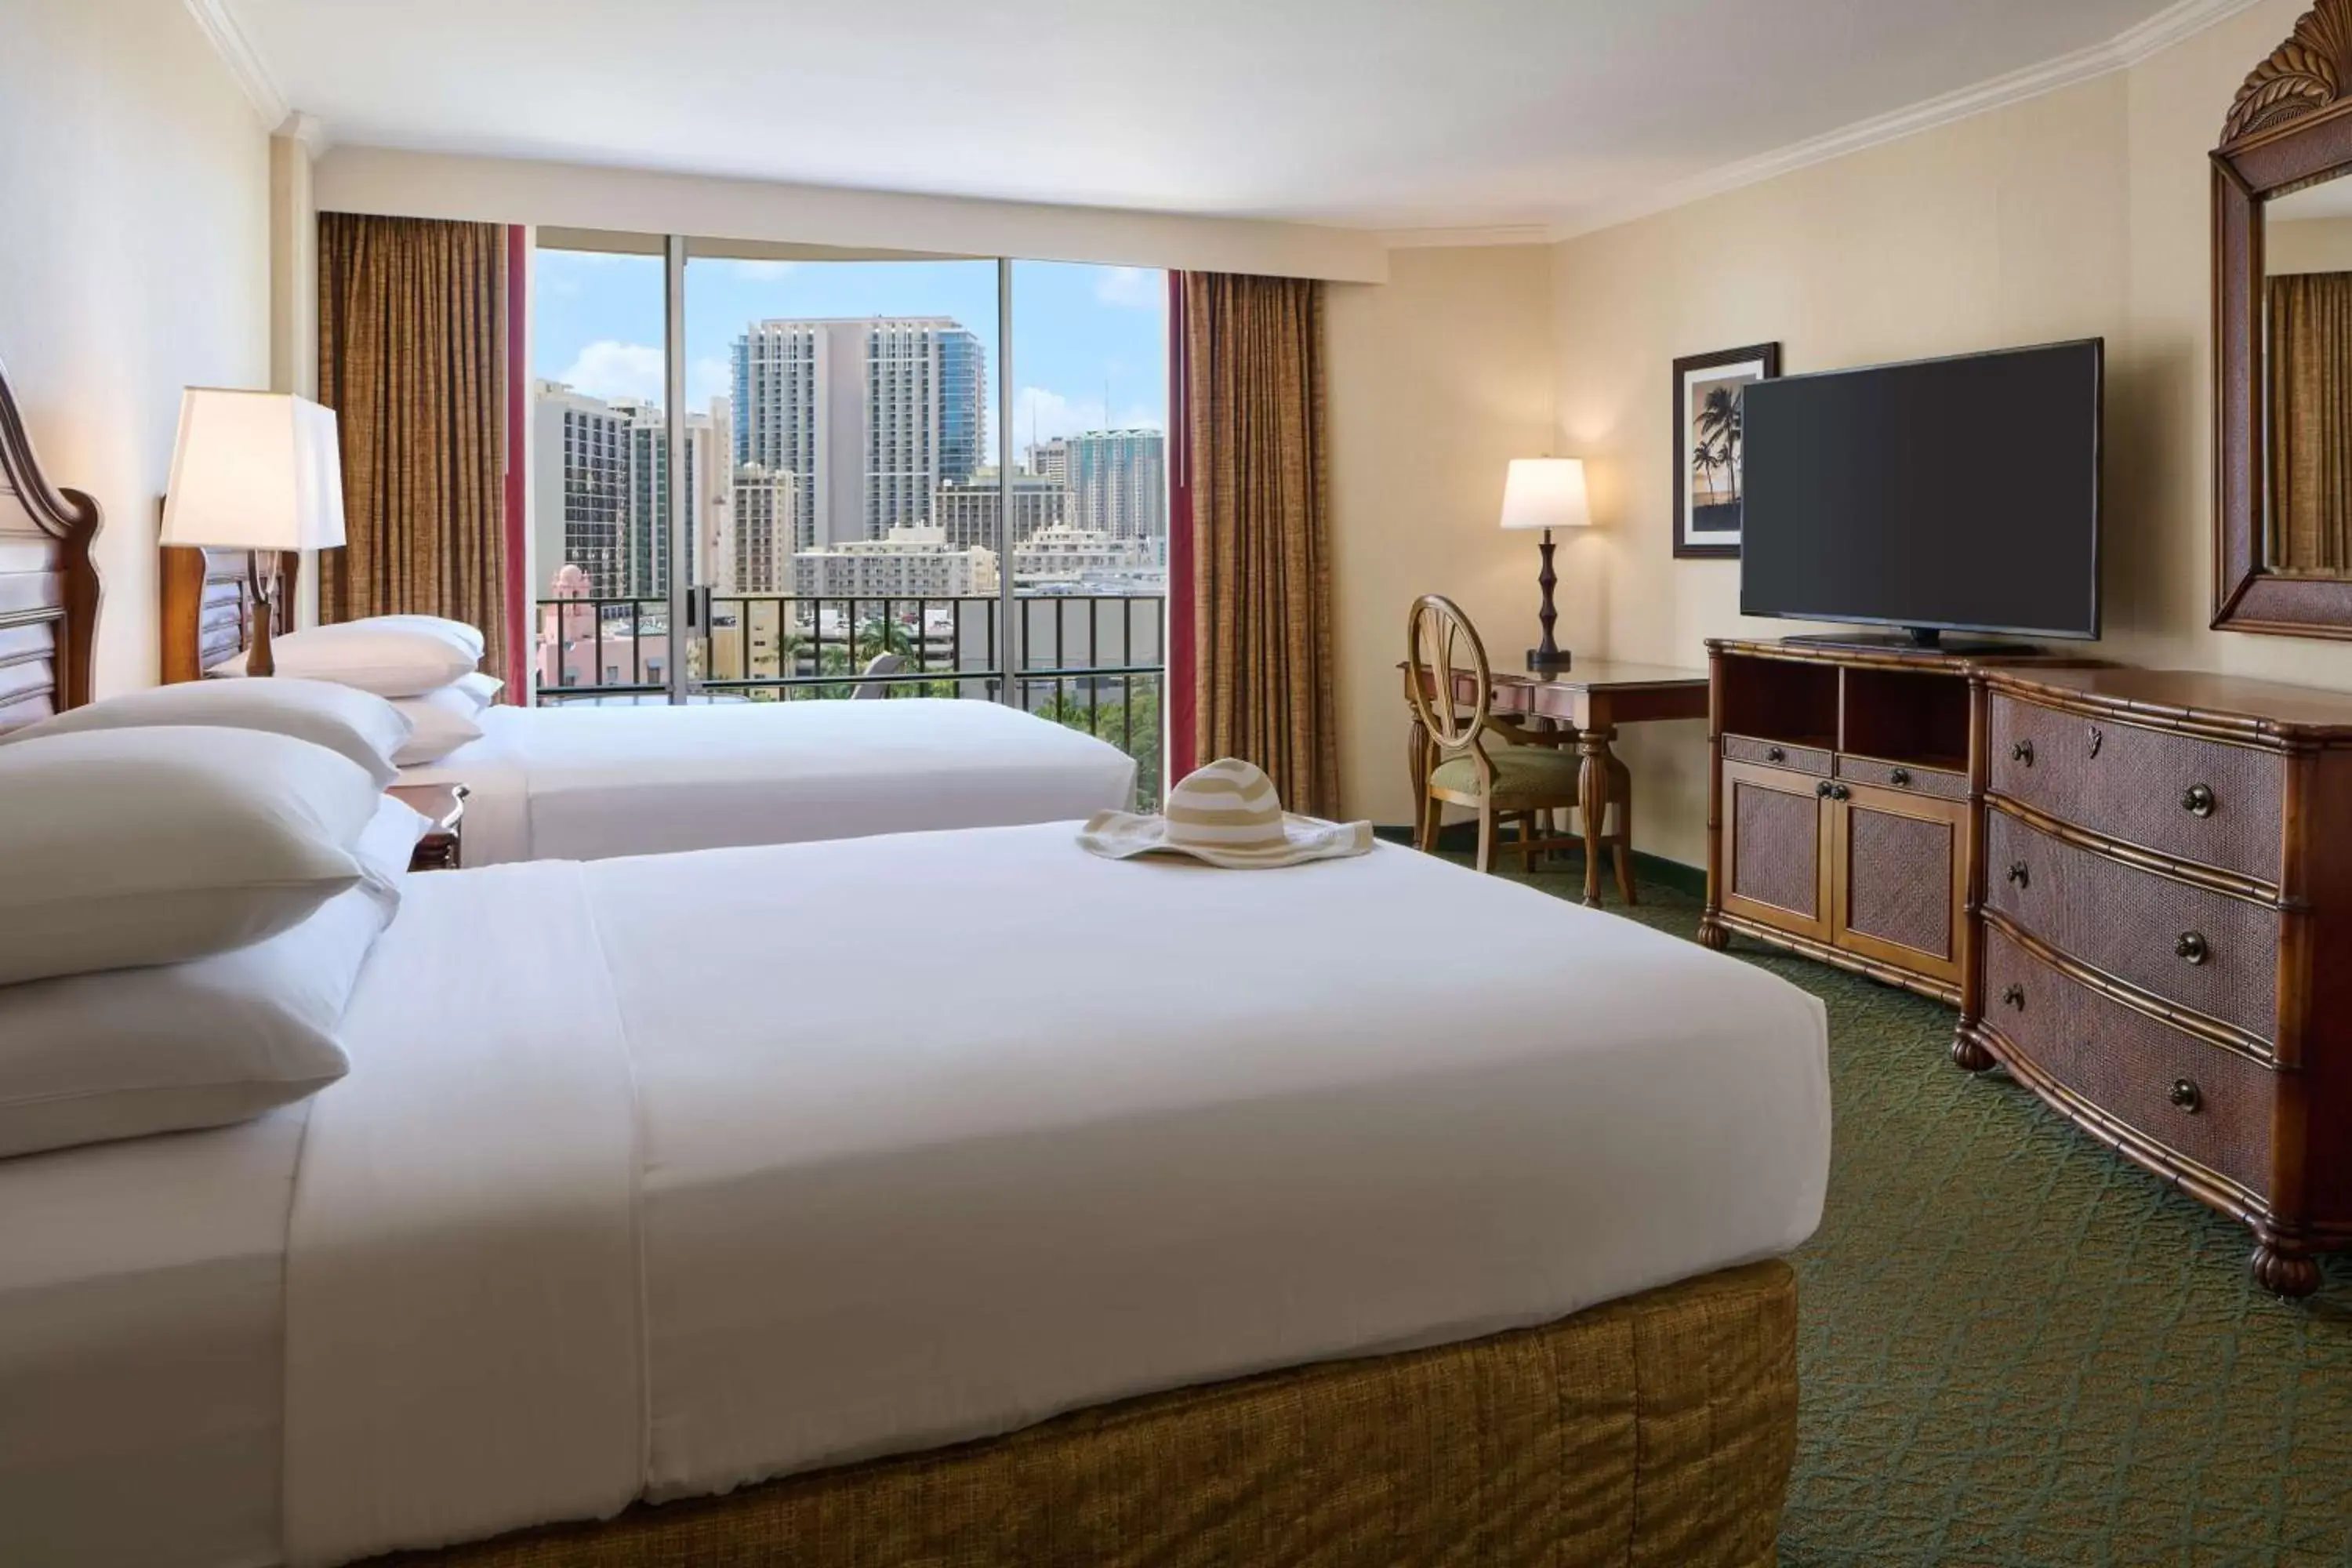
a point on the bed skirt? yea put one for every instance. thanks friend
(1655, 1430)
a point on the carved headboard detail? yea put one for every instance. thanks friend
(208, 604)
(48, 589)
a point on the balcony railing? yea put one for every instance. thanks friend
(1094, 662)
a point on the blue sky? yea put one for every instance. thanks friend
(1083, 333)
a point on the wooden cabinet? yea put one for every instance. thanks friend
(1840, 820)
(2163, 916)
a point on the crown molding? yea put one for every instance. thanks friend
(307, 129)
(1491, 234)
(243, 62)
(2180, 20)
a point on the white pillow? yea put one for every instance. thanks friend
(353, 723)
(386, 844)
(456, 631)
(92, 1057)
(440, 723)
(481, 687)
(390, 660)
(121, 847)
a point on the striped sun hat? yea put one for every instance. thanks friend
(1228, 815)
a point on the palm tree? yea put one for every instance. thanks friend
(1718, 424)
(1705, 454)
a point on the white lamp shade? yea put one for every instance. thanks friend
(255, 470)
(1545, 492)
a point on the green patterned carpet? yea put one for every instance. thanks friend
(2017, 1349)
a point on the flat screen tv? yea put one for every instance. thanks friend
(1940, 495)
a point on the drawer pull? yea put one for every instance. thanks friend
(1822, 789)
(2022, 752)
(2014, 997)
(1839, 791)
(1899, 778)
(2098, 739)
(1776, 754)
(2197, 800)
(2186, 1096)
(2193, 947)
(2021, 874)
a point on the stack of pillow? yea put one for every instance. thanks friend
(191, 881)
(423, 665)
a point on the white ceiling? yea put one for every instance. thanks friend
(1373, 113)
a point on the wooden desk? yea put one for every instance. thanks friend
(1592, 700)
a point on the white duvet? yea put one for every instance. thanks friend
(659, 1176)
(576, 783)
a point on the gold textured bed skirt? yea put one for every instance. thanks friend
(1654, 1430)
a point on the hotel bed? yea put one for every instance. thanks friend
(703, 1208)
(785, 1206)
(586, 782)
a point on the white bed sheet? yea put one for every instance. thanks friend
(937, 1135)
(141, 1322)
(588, 782)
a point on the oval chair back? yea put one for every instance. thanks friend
(1437, 638)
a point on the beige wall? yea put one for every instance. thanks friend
(2081, 213)
(134, 261)
(1437, 379)
(2309, 245)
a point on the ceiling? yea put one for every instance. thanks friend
(1369, 113)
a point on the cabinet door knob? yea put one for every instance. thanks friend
(1823, 788)
(1899, 778)
(2014, 997)
(2187, 1096)
(1839, 791)
(2197, 800)
(2193, 947)
(2022, 752)
(1776, 754)
(2021, 874)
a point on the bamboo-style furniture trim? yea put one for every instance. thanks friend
(2290, 126)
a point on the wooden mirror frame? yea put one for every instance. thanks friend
(2291, 126)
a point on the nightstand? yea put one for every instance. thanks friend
(444, 806)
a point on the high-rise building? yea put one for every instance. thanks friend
(967, 513)
(760, 559)
(904, 564)
(1119, 482)
(580, 462)
(707, 498)
(1050, 460)
(872, 416)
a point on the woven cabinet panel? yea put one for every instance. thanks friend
(2126, 1062)
(1775, 847)
(2126, 922)
(1899, 880)
(1777, 755)
(2126, 782)
(1656, 1431)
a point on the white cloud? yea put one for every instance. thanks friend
(607, 368)
(1049, 414)
(756, 271)
(706, 379)
(1137, 287)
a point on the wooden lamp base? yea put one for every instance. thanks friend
(1548, 655)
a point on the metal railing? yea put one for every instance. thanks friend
(1094, 662)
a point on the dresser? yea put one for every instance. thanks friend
(2162, 903)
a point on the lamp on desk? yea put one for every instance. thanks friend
(255, 471)
(1546, 493)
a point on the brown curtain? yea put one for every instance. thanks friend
(1261, 557)
(412, 358)
(2311, 422)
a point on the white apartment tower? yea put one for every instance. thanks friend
(871, 415)
(580, 462)
(1119, 482)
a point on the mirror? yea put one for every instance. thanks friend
(2306, 385)
(2282, 339)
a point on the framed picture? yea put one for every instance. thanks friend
(1708, 389)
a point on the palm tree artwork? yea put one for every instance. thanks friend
(1717, 426)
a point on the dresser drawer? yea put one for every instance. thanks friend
(2198, 800)
(2133, 924)
(1933, 782)
(1776, 754)
(2212, 1107)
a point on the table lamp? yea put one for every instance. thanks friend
(255, 471)
(1546, 493)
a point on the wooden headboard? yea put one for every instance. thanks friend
(208, 604)
(48, 589)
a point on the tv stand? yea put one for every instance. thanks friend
(1918, 639)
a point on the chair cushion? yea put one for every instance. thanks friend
(1521, 773)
